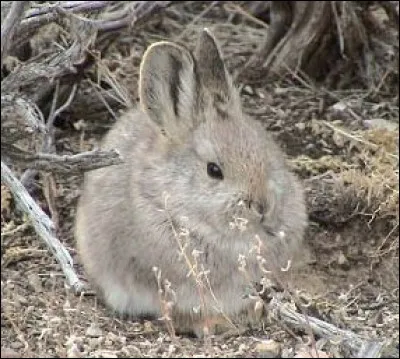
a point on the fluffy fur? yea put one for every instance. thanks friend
(190, 115)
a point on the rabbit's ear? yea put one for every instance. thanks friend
(168, 87)
(211, 67)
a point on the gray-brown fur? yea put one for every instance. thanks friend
(123, 226)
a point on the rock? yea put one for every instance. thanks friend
(19, 300)
(74, 352)
(339, 106)
(171, 349)
(112, 338)
(137, 327)
(242, 348)
(343, 261)
(248, 90)
(277, 124)
(35, 282)
(268, 349)
(311, 354)
(338, 140)
(94, 331)
(9, 353)
(16, 345)
(281, 90)
(148, 326)
(106, 354)
(301, 126)
(381, 123)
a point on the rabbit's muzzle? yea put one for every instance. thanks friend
(257, 207)
(264, 212)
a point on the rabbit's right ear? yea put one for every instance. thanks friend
(168, 87)
(211, 67)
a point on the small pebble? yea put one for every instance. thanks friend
(338, 140)
(16, 345)
(242, 348)
(343, 261)
(148, 326)
(280, 90)
(311, 354)
(94, 331)
(35, 282)
(339, 106)
(300, 126)
(268, 349)
(9, 353)
(74, 352)
(381, 124)
(106, 354)
(19, 300)
(248, 89)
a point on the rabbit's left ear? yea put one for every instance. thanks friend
(211, 67)
(168, 88)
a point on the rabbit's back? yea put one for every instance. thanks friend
(106, 227)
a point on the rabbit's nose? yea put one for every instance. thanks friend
(258, 208)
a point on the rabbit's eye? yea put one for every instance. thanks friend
(214, 171)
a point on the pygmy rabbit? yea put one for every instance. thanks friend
(201, 186)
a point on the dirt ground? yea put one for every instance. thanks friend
(343, 144)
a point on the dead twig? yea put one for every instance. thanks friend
(49, 140)
(37, 80)
(43, 225)
(138, 10)
(67, 164)
(38, 17)
(48, 143)
(351, 341)
(121, 16)
(73, 6)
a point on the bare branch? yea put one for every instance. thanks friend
(351, 341)
(72, 6)
(9, 26)
(68, 164)
(132, 14)
(35, 18)
(49, 138)
(43, 225)
(121, 16)
(48, 142)
(36, 80)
